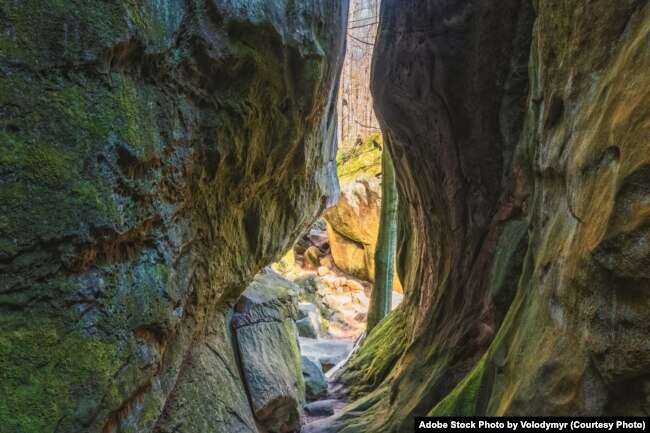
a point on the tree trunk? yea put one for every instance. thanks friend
(380, 298)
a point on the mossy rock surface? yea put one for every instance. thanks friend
(153, 159)
(519, 237)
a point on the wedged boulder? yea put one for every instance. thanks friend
(315, 379)
(268, 351)
(352, 257)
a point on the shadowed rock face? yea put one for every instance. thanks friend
(155, 155)
(450, 82)
(576, 337)
(531, 225)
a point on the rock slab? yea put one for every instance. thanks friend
(320, 408)
(328, 352)
(268, 351)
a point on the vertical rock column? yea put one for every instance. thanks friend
(269, 352)
(450, 83)
(524, 265)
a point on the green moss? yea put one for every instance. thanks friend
(136, 106)
(465, 398)
(38, 163)
(52, 135)
(72, 29)
(286, 263)
(380, 351)
(45, 373)
(360, 160)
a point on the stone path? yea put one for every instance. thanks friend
(347, 298)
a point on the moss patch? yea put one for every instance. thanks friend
(361, 160)
(465, 398)
(53, 134)
(69, 30)
(367, 369)
(44, 371)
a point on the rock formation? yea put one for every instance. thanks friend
(155, 156)
(353, 223)
(315, 380)
(523, 233)
(269, 355)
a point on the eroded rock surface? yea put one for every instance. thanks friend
(522, 244)
(267, 339)
(155, 156)
(315, 380)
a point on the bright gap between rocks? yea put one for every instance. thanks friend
(338, 251)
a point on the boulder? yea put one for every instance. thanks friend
(315, 379)
(269, 353)
(353, 223)
(320, 408)
(328, 352)
(311, 257)
(306, 328)
(309, 323)
(350, 256)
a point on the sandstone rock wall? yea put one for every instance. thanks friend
(575, 340)
(154, 156)
(523, 238)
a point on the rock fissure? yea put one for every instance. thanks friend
(156, 156)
